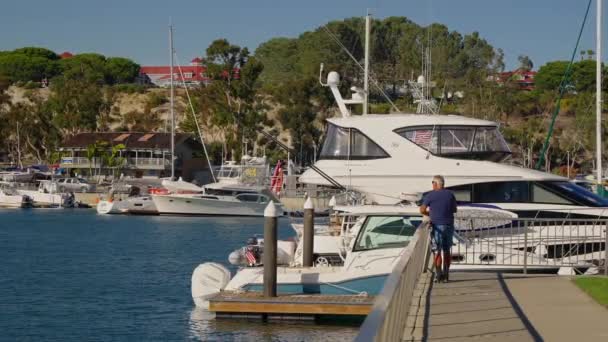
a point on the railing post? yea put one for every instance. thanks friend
(309, 233)
(526, 247)
(270, 250)
(606, 248)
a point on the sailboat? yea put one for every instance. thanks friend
(145, 204)
(228, 195)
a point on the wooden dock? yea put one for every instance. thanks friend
(288, 306)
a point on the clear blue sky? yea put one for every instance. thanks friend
(542, 29)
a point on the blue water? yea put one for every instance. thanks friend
(71, 275)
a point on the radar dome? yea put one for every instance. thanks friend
(333, 78)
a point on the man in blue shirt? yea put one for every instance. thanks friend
(441, 205)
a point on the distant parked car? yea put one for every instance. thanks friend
(74, 185)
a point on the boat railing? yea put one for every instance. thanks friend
(530, 242)
(388, 318)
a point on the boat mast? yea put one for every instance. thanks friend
(171, 105)
(598, 96)
(368, 19)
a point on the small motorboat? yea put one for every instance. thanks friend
(9, 198)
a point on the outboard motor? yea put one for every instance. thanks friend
(208, 279)
(69, 200)
(250, 255)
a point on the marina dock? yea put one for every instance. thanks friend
(285, 306)
(504, 307)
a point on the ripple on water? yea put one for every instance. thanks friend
(71, 275)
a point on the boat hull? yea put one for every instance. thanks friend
(42, 199)
(14, 201)
(113, 207)
(196, 206)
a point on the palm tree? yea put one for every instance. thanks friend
(92, 151)
(114, 160)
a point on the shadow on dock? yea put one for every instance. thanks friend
(471, 306)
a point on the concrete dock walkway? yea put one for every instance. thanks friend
(504, 307)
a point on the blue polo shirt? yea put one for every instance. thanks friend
(442, 204)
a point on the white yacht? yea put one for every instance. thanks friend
(372, 246)
(217, 199)
(240, 190)
(386, 156)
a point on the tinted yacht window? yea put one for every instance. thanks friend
(542, 195)
(349, 143)
(574, 193)
(488, 139)
(425, 137)
(542, 192)
(501, 192)
(336, 143)
(463, 142)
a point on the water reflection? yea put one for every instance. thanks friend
(204, 327)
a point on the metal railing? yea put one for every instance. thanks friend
(486, 243)
(388, 318)
(530, 243)
(148, 161)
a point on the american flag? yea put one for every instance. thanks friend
(423, 137)
(250, 257)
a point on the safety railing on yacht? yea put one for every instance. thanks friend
(388, 318)
(526, 243)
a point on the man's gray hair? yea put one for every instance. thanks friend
(439, 180)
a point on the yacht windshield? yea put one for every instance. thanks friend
(386, 232)
(349, 143)
(466, 142)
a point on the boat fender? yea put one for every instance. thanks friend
(208, 279)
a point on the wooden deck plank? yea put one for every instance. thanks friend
(255, 302)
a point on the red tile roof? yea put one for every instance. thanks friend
(160, 70)
(66, 55)
(132, 140)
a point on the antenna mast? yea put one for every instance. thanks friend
(171, 105)
(368, 19)
(598, 96)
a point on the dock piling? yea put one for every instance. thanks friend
(308, 234)
(270, 250)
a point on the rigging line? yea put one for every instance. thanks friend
(562, 89)
(198, 127)
(374, 81)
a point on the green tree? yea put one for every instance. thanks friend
(32, 51)
(20, 67)
(113, 159)
(301, 101)
(121, 70)
(231, 102)
(279, 56)
(550, 75)
(89, 67)
(583, 76)
(75, 104)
